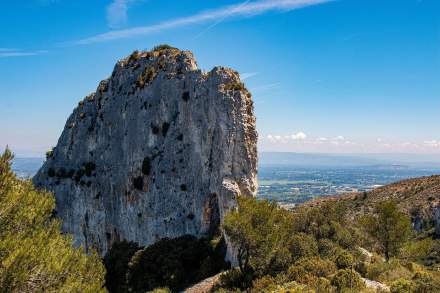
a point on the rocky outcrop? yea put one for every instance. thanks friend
(376, 286)
(161, 149)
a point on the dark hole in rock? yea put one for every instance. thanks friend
(155, 129)
(79, 174)
(89, 168)
(190, 216)
(183, 187)
(98, 195)
(185, 96)
(213, 214)
(146, 166)
(165, 127)
(180, 137)
(89, 183)
(138, 183)
(71, 173)
(108, 235)
(61, 173)
(51, 172)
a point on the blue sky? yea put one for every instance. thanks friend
(327, 76)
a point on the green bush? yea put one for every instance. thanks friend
(347, 279)
(235, 279)
(314, 266)
(426, 283)
(34, 255)
(235, 86)
(173, 263)
(163, 47)
(303, 245)
(344, 260)
(146, 77)
(402, 286)
(388, 271)
(116, 263)
(49, 154)
(389, 226)
(134, 56)
(259, 230)
(328, 249)
(264, 284)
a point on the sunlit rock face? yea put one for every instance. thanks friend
(161, 149)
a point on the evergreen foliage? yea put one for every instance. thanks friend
(34, 255)
(389, 226)
(116, 263)
(318, 249)
(172, 264)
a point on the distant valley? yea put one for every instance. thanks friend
(292, 178)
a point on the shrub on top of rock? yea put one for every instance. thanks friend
(163, 47)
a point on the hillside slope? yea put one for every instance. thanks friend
(418, 197)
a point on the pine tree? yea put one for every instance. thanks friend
(34, 255)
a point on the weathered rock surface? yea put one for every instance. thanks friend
(161, 149)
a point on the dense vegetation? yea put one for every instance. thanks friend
(320, 249)
(323, 248)
(171, 263)
(34, 255)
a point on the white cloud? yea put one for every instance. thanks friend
(299, 136)
(300, 142)
(432, 143)
(247, 75)
(117, 13)
(6, 52)
(237, 10)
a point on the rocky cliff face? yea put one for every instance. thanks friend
(161, 149)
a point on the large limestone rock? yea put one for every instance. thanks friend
(161, 149)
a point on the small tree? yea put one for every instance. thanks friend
(258, 230)
(389, 226)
